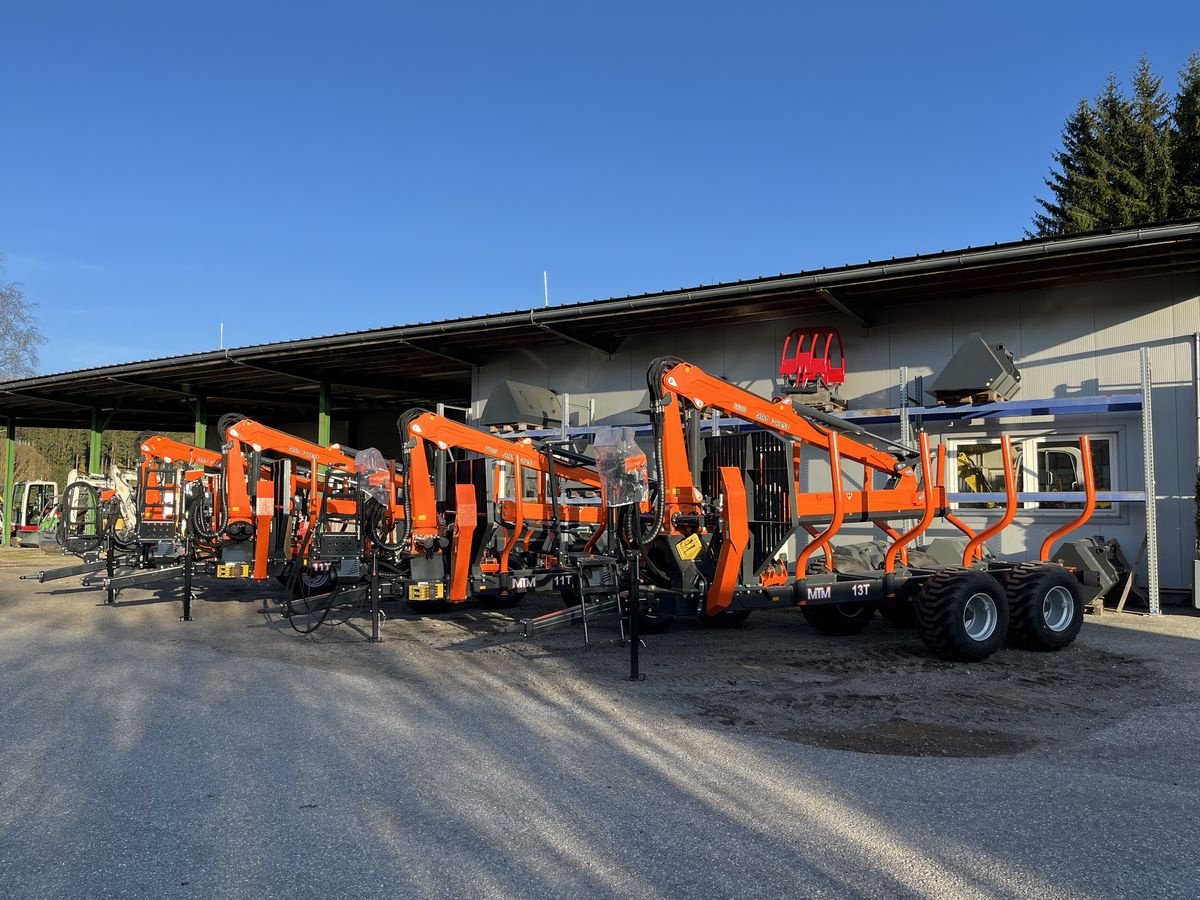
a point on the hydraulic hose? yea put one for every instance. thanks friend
(404, 467)
(654, 383)
(375, 514)
(297, 572)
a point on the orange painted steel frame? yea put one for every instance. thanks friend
(975, 545)
(1089, 506)
(702, 390)
(837, 515)
(157, 447)
(905, 498)
(465, 517)
(902, 541)
(260, 437)
(735, 528)
(445, 433)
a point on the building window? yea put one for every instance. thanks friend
(1042, 464)
(1060, 468)
(980, 468)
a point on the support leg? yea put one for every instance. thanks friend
(110, 567)
(375, 639)
(635, 615)
(188, 564)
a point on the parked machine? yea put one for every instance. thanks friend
(712, 526)
(32, 501)
(733, 529)
(499, 524)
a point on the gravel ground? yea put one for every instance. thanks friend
(230, 757)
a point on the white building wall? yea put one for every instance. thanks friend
(1071, 340)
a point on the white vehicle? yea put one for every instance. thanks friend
(31, 501)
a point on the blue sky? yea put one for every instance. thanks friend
(300, 169)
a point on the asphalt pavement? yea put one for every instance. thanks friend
(226, 757)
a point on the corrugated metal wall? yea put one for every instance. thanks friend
(1081, 339)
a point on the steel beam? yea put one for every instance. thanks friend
(324, 405)
(95, 440)
(607, 346)
(853, 310)
(1152, 592)
(10, 465)
(200, 435)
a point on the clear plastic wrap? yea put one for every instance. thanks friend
(373, 473)
(622, 466)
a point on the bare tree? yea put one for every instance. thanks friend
(20, 336)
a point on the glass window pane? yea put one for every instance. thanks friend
(1060, 468)
(980, 468)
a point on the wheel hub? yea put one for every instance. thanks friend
(980, 616)
(1058, 609)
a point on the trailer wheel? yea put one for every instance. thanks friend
(730, 618)
(839, 618)
(962, 614)
(1046, 605)
(501, 601)
(900, 611)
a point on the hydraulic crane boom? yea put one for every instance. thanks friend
(421, 429)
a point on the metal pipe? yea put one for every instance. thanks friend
(839, 512)
(889, 560)
(1089, 506)
(1010, 492)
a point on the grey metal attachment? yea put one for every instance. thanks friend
(977, 369)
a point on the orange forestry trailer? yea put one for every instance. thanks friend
(732, 529)
(294, 510)
(503, 526)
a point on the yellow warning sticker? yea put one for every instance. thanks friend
(689, 548)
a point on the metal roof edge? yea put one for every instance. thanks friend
(864, 272)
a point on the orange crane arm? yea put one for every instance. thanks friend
(157, 446)
(447, 433)
(260, 437)
(701, 390)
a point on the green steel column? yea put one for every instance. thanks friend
(94, 443)
(201, 421)
(10, 465)
(325, 402)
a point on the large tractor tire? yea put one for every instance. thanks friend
(1046, 606)
(962, 614)
(839, 618)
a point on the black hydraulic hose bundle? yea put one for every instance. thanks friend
(404, 467)
(296, 574)
(375, 518)
(632, 533)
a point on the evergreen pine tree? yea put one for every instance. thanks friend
(1153, 171)
(1120, 154)
(1112, 181)
(1185, 142)
(1072, 207)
